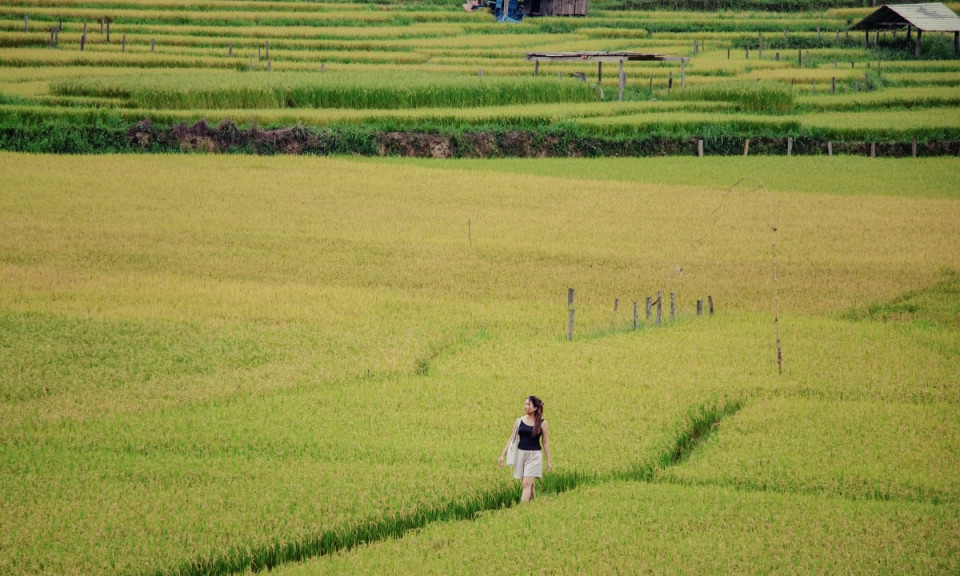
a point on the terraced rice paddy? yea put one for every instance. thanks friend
(223, 363)
(383, 67)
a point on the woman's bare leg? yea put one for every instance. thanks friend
(528, 489)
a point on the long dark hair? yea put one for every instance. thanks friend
(537, 414)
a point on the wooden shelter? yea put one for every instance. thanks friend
(601, 57)
(556, 7)
(930, 17)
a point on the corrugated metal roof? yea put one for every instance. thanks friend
(930, 17)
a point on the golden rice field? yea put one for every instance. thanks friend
(227, 363)
(212, 364)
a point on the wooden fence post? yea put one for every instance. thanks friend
(700, 307)
(829, 148)
(152, 44)
(536, 67)
(710, 304)
(913, 148)
(83, 37)
(670, 81)
(570, 326)
(760, 50)
(700, 148)
(569, 297)
(673, 306)
(123, 46)
(659, 307)
(636, 315)
(873, 149)
(649, 304)
(26, 23)
(683, 72)
(790, 146)
(746, 147)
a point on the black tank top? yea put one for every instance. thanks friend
(527, 440)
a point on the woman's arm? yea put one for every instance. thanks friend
(509, 441)
(545, 431)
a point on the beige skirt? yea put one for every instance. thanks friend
(529, 463)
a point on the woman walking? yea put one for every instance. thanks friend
(531, 429)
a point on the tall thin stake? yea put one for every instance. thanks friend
(773, 250)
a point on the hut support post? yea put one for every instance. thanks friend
(916, 51)
(623, 83)
(956, 42)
